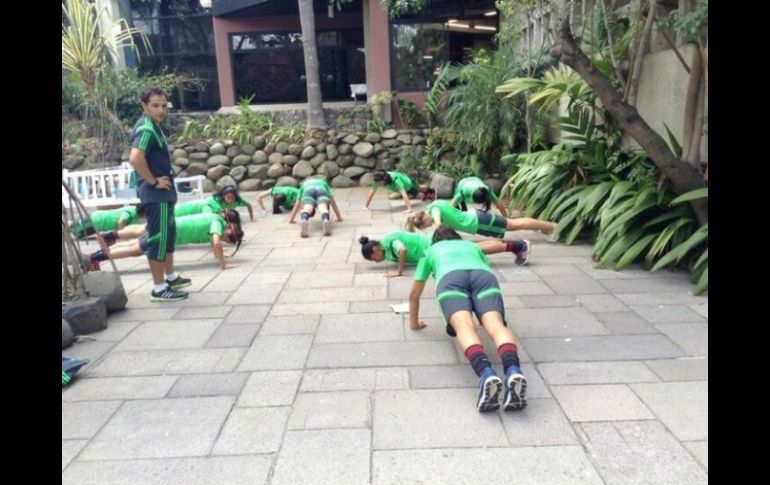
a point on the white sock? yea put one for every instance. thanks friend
(160, 287)
(171, 276)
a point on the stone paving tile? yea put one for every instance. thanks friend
(252, 430)
(84, 419)
(554, 322)
(69, 450)
(667, 313)
(375, 378)
(247, 314)
(290, 325)
(275, 388)
(277, 352)
(681, 406)
(119, 388)
(161, 362)
(625, 323)
(370, 327)
(632, 347)
(178, 334)
(384, 354)
(324, 410)
(541, 423)
(684, 369)
(692, 337)
(208, 385)
(606, 402)
(596, 372)
(233, 336)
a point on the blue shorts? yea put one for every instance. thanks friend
(161, 230)
(475, 290)
(490, 224)
(314, 197)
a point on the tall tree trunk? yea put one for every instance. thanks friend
(315, 111)
(683, 176)
(636, 68)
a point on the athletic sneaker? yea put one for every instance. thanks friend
(95, 266)
(168, 294)
(490, 387)
(515, 390)
(179, 282)
(327, 228)
(109, 237)
(523, 256)
(303, 230)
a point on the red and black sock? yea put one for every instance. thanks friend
(509, 355)
(97, 256)
(514, 246)
(478, 359)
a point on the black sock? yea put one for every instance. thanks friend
(325, 217)
(509, 355)
(97, 256)
(304, 216)
(478, 359)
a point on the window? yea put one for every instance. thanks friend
(270, 66)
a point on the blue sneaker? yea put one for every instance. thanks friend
(490, 387)
(515, 390)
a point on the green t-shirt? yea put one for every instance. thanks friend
(446, 256)
(198, 229)
(415, 243)
(196, 207)
(467, 186)
(400, 181)
(219, 204)
(291, 194)
(107, 220)
(315, 184)
(456, 219)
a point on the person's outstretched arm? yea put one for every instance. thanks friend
(333, 203)
(294, 211)
(401, 263)
(250, 209)
(261, 196)
(414, 306)
(369, 197)
(219, 252)
(501, 208)
(407, 202)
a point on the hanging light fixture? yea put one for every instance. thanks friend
(206, 4)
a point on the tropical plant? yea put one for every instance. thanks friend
(408, 112)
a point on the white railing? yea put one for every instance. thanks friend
(111, 186)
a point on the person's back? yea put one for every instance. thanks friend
(194, 207)
(446, 256)
(416, 244)
(452, 217)
(198, 228)
(290, 195)
(315, 183)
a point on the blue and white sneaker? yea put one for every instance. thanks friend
(490, 387)
(523, 256)
(515, 390)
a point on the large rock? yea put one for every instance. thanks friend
(329, 170)
(495, 184)
(365, 162)
(346, 160)
(391, 133)
(405, 139)
(350, 139)
(217, 149)
(218, 160)
(318, 159)
(379, 148)
(418, 140)
(366, 179)
(321, 147)
(176, 169)
(363, 149)
(391, 143)
(373, 137)
(239, 173)
(443, 185)
(269, 148)
(67, 336)
(286, 182)
(268, 184)
(290, 160)
(86, 315)
(182, 162)
(226, 181)
(241, 160)
(332, 152)
(258, 142)
(259, 171)
(282, 147)
(303, 169)
(259, 157)
(108, 287)
(202, 146)
(233, 151)
(354, 172)
(209, 186)
(197, 168)
(275, 157)
(295, 149)
(248, 149)
(308, 153)
(345, 149)
(216, 173)
(276, 170)
(341, 181)
(199, 156)
(249, 185)
(178, 153)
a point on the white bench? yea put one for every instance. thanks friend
(111, 187)
(357, 90)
